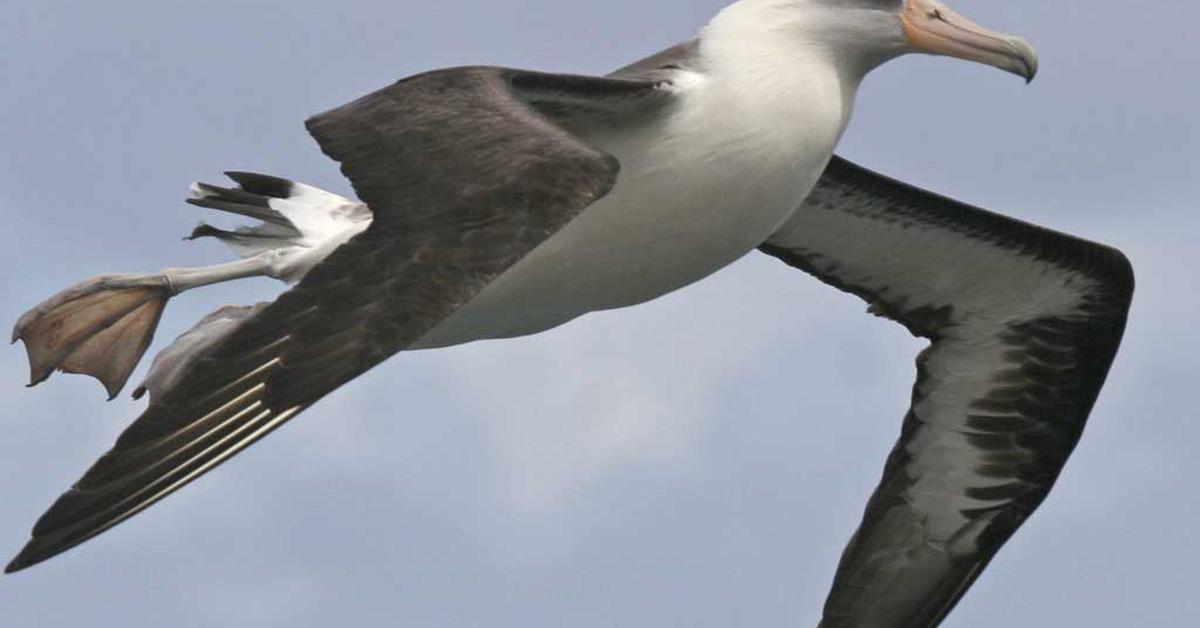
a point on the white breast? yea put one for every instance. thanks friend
(698, 188)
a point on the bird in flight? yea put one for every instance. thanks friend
(497, 203)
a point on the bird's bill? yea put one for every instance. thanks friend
(932, 27)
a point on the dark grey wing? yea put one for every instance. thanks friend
(464, 177)
(662, 64)
(1024, 324)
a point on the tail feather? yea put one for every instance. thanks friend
(308, 215)
(293, 193)
(304, 210)
(240, 202)
(262, 184)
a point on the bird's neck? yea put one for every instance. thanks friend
(797, 81)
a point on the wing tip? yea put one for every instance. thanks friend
(1122, 272)
(41, 547)
(29, 556)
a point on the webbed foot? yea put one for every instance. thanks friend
(99, 327)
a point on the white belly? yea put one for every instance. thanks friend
(691, 198)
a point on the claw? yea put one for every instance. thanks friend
(99, 327)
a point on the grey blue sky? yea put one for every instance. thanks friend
(696, 462)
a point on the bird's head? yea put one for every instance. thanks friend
(867, 33)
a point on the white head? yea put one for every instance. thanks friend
(859, 35)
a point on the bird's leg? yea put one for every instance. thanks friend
(181, 279)
(102, 326)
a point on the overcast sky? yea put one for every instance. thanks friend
(696, 462)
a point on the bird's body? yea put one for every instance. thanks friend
(747, 139)
(498, 202)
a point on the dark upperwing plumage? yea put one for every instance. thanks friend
(464, 174)
(1024, 324)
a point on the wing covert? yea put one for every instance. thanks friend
(1024, 324)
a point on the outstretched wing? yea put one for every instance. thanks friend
(1024, 323)
(465, 175)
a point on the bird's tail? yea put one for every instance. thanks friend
(292, 213)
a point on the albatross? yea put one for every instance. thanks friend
(497, 203)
